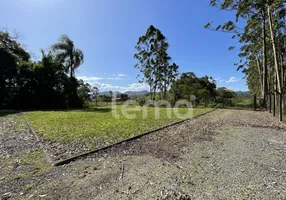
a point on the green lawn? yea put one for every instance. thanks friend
(242, 101)
(65, 126)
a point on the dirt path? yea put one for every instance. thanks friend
(226, 154)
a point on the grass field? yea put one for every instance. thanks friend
(242, 102)
(66, 126)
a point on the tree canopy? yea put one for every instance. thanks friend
(154, 61)
(189, 86)
(44, 84)
(263, 38)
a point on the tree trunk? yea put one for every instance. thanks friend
(151, 96)
(274, 49)
(165, 83)
(260, 77)
(265, 70)
(71, 66)
(283, 102)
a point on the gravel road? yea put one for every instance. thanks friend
(226, 154)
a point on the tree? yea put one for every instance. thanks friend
(71, 57)
(31, 84)
(66, 53)
(188, 85)
(224, 96)
(84, 91)
(123, 97)
(263, 37)
(41, 84)
(153, 61)
(106, 98)
(11, 54)
(170, 74)
(94, 94)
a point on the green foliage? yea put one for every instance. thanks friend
(40, 84)
(105, 98)
(153, 61)
(262, 56)
(66, 53)
(243, 102)
(225, 96)
(84, 92)
(29, 187)
(123, 97)
(11, 53)
(190, 85)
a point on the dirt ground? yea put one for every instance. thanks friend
(226, 154)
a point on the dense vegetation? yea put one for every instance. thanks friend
(29, 84)
(263, 39)
(204, 88)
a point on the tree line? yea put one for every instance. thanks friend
(50, 83)
(45, 84)
(263, 39)
(163, 77)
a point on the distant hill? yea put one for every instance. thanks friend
(243, 93)
(138, 93)
(129, 93)
(108, 93)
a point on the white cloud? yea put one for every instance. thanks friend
(88, 79)
(91, 79)
(96, 81)
(219, 79)
(232, 80)
(132, 87)
(116, 78)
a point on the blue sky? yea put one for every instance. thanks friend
(107, 31)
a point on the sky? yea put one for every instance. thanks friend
(107, 32)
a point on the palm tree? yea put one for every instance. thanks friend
(66, 53)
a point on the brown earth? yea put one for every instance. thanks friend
(226, 154)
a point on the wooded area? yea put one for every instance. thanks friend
(263, 39)
(29, 84)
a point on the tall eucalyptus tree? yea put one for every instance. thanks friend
(153, 61)
(263, 37)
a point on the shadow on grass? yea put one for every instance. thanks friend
(244, 107)
(98, 109)
(102, 110)
(4, 113)
(237, 107)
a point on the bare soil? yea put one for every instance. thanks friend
(226, 154)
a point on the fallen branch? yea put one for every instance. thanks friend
(122, 172)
